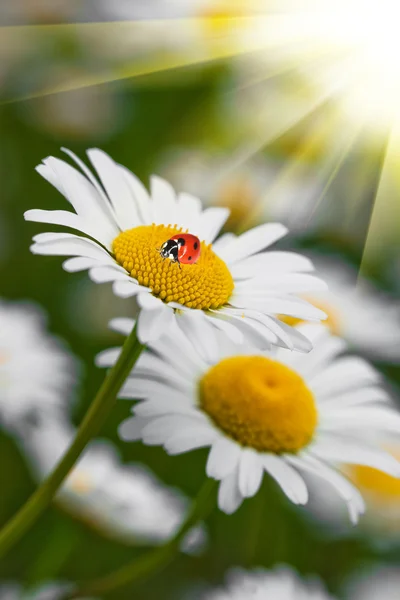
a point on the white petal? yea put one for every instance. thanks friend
(116, 188)
(353, 452)
(270, 262)
(158, 431)
(225, 240)
(226, 325)
(223, 458)
(294, 307)
(106, 274)
(251, 242)
(131, 429)
(344, 374)
(195, 325)
(122, 325)
(107, 358)
(79, 263)
(168, 402)
(150, 302)
(211, 221)
(293, 283)
(139, 194)
(136, 388)
(128, 288)
(164, 201)
(154, 323)
(291, 483)
(72, 220)
(78, 190)
(250, 472)
(229, 496)
(191, 439)
(344, 488)
(67, 244)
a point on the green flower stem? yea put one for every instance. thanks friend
(90, 426)
(147, 565)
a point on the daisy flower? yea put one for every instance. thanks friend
(125, 501)
(235, 284)
(280, 584)
(36, 371)
(368, 319)
(379, 582)
(281, 413)
(254, 190)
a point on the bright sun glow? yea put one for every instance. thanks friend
(350, 49)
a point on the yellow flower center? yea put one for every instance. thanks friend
(240, 197)
(260, 403)
(203, 285)
(80, 482)
(375, 482)
(333, 322)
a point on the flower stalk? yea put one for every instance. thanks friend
(142, 568)
(90, 426)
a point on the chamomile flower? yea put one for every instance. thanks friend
(235, 284)
(36, 371)
(379, 582)
(368, 319)
(280, 584)
(285, 414)
(255, 190)
(126, 502)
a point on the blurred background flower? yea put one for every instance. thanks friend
(280, 110)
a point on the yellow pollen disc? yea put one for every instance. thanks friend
(332, 322)
(205, 284)
(260, 403)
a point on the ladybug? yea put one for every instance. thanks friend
(182, 248)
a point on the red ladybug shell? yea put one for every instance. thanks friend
(189, 249)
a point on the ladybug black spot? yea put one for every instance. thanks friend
(195, 245)
(181, 241)
(190, 258)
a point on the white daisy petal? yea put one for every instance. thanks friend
(345, 451)
(139, 195)
(107, 358)
(127, 287)
(152, 322)
(78, 191)
(79, 263)
(229, 496)
(106, 274)
(192, 439)
(251, 242)
(211, 222)
(164, 198)
(122, 325)
(130, 430)
(116, 188)
(250, 472)
(223, 458)
(63, 244)
(71, 220)
(287, 478)
(270, 262)
(344, 488)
